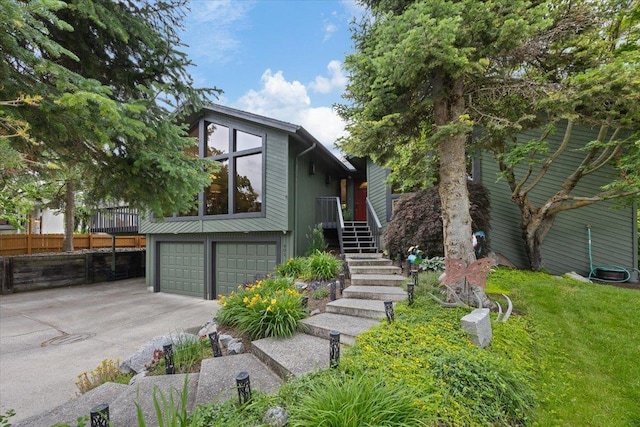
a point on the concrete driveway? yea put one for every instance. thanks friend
(47, 338)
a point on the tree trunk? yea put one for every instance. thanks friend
(534, 229)
(69, 214)
(454, 194)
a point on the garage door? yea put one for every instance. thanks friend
(238, 263)
(182, 268)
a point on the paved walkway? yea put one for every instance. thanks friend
(49, 337)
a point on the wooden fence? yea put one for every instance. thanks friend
(28, 244)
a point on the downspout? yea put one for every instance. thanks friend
(295, 192)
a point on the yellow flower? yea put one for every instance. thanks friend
(273, 301)
(245, 300)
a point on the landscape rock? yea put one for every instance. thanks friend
(137, 377)
(314, 312)
(276, 417)
(301, 286)
(576, 276)
(142, 358)
(236, 347)
(225, 340)
(478, 325)
(209, 327)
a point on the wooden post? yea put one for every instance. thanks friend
(29, 242)
(113, 254)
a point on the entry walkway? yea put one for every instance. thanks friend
(49, 337)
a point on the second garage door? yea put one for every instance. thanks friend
(238, 263)
(182, 268)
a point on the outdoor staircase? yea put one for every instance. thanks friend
(357, 238)
(271, 361)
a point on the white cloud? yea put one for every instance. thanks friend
(329, 30)
(212, 28)
(288, 101)
(337, 80)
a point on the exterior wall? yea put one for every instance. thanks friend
(378, 192)
(307, 188)
(566, 246)
(276, 217)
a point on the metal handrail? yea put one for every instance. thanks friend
(374, 224)
(119, 219)
(340, 224)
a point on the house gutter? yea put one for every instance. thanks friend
(295, 192)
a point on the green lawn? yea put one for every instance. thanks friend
(592, 332)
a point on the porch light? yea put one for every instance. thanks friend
(243, 384)
(215, 344)
(410, 289)
(334, 349)
(388, 310)
(99, 415)
(168, 358)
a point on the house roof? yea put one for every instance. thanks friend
(299, 133)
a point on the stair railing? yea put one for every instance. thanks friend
(340, 224)
(374, 224)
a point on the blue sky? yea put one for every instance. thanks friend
(278, 58)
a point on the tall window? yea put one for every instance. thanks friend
(237, 185)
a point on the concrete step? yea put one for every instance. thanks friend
(69, 412)
(217, 377)
(356, 260)
(378, 293)
(375, 269)
(378, 279)
(294, 356)
(349, 326)
(370, 309)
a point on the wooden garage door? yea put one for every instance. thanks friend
(238, 263)
(182, 268)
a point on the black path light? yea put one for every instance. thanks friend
(243, 383)
(410, 289)
(99, 415)
(334, 349)
(414, 276)
(168, 358)
(332, 290)
(215, 344)
(305, 301)
(388, 310)
(341, 277)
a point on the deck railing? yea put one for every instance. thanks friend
(120, 219)
(329, 214)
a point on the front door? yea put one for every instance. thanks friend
(360, 213)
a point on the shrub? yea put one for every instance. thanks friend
(323, 266)
(317, 242)
(320, 293)
(294, 267)
(268, 308)
(339, 400)
(417, 220)
(108, 371)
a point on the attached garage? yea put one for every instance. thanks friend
(182, 268)
(238, 263)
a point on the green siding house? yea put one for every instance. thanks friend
(566, 247)
(275, 183)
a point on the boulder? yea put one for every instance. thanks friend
(478, 325)
(141, 359)
(276, 417)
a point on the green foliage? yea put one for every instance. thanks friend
(107, 371)
(435, 263)
(338, 400)
(169, 411)
(320, 293)
(187, 354)
(323, 266)
(317, 242)
(433, 348)
(230, 413)
(293, 267)
(4, 418)
(267, 308)
(418, 220)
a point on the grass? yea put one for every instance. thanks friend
(591, 374)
